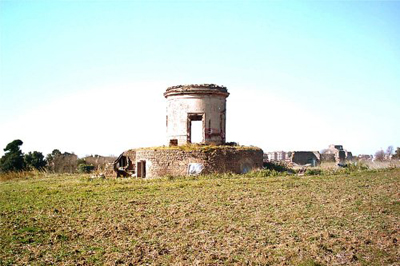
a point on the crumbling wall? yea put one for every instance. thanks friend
(161, 162)
(341, 155)
(124, 165)
(349, 156)
(328, 157)
(306, 157)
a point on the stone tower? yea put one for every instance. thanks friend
(201, 105)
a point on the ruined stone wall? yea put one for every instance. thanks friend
(341, 156)
(328, 157)
(175, 162)
(109, 171)
(349, 156)
(306, 157)
(128, 159)
(131, 154)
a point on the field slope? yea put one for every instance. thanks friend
(312, 220)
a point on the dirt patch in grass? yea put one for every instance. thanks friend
(310, 220)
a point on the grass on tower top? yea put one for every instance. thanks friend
(202, 147)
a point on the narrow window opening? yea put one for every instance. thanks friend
(173, 142)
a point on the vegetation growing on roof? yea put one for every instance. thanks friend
(199, 147)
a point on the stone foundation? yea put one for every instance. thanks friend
(168, 161)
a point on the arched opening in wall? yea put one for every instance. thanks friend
(195, 128)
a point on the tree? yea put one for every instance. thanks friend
(62, 162)
(35, 160)
(13, 159)
(85, 168)
(379, 155)
(51, 156)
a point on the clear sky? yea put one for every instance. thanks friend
(88, 76)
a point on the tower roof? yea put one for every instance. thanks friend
(196, 89)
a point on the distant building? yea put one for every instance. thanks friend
(365, 157)
(341, 155)
(335, 154)
(312, 158)
(277, 156)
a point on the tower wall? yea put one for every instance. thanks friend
(185, 106)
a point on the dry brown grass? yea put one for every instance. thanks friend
(22, 175)
(329, 220)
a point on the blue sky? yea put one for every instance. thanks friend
(88, 76)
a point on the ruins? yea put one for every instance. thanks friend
(275, 156)
(336, 153)
(196, 139)
(188, 104)
(312, 158)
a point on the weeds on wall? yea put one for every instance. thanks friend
(201, 147)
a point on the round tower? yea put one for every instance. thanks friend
(196, 114)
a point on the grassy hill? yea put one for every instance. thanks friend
(227, 219)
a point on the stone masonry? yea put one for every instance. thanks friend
(186, 104)
(190, 103)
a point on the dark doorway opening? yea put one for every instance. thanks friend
(141, 169)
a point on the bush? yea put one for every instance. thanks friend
(85, 168)
(313, 172)
(357, 166)
(278, 166)
(263, 173)
(35, 160)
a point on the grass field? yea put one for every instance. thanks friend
(346, 219)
